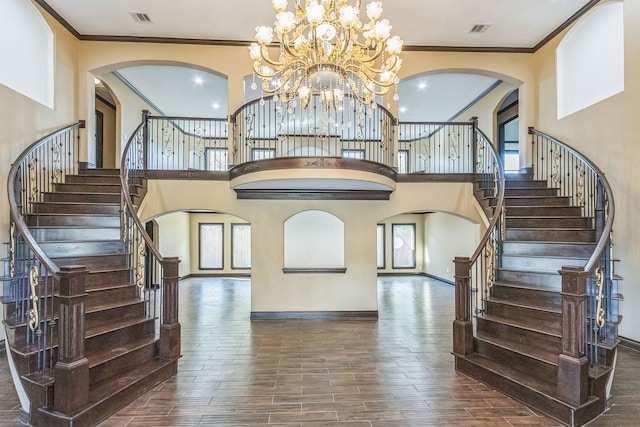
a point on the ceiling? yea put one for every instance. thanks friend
(513, 24)
(423, 24)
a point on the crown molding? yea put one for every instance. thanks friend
(242, 43)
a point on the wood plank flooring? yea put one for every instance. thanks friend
(394, 371)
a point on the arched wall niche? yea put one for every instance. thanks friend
(27, 44)
(314, 239)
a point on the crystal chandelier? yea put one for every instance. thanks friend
(325, 50)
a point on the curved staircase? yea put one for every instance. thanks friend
(78, 226)
(517, 346)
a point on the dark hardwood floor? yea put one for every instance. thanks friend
(396, 371)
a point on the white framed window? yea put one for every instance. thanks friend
(404, 245)
(211, 246)
(380, 246)
(349, 153)
(240, 246)
(263, 153)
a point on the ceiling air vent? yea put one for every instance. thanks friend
(140, 18)
(480, 28)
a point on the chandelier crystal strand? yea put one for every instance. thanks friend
(326, 50)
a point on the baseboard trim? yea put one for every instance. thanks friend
(629, 343)
(314, 315)
(439, 279)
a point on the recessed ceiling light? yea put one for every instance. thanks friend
(422, 85)
(403, 109)
(215, 105)
(198, 80)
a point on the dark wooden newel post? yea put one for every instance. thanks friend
(71, 390)
(170, 328)
(462, 325)
(573, 366)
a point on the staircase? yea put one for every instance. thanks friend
(79, 224)
(518, 336)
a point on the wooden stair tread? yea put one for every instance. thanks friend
(522, 286)
(506, 301)
(114, 326)
(518, 323)
(108, 306)
(524, 349)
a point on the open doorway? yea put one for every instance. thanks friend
(508, 133)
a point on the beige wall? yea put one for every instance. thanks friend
(607, 133)
(273, 290)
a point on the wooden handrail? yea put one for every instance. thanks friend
(14, 210)
(127, 197)
(608, 226)
(499, 204)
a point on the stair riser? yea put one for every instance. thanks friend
(112, 296)
(124, 397)
(531, 279)
(544, 211)
(548, 249)
(95, 262)
(73, 220)
(122, 363)
(119, 337)
(88, 171)
(93, 179)
(548, 343)
(123, 312)
(76, 208)
(570, 222)
(536, 192)
(585, 236)
(523, 363)
(99, 279)
(73, 233)
(551, 265)
(536, 201)
(83, 197)
(523, 183)
(537, 319)
(541, 299)
(87, 188)
(534, 399)
(76, 249)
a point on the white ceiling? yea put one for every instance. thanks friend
(180, 91)
(514, 23)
